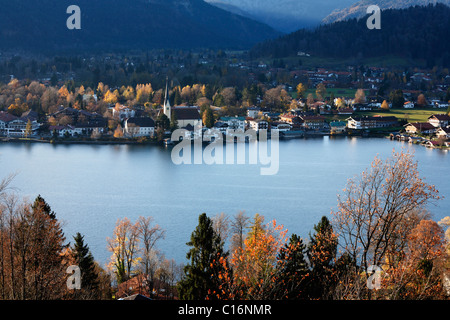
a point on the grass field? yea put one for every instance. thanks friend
(410, 115)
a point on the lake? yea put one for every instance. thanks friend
(91, 186)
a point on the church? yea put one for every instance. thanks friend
(186, 116)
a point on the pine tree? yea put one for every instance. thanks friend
(321, 252)
(41, 205)
(85, 261)
(292, 267)
(207, 247)
(173, 122)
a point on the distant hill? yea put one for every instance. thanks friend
(125, 24)
(358, 10)
(413, 33)
(283, 15)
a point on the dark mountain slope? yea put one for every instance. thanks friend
(121, 24)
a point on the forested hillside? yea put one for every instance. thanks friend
(415, 33)
(119, 24)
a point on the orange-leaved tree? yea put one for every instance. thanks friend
(379, 209)
(254, 265)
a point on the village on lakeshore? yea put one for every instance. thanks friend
(405, 115)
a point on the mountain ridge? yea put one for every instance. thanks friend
(115, 24)
(358, 9)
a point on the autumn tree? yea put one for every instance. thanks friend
(416, 271)
(118, 132)
(321, 91)
(385, 105)
(254, 265)
(421, 100)
(124, 248)
(208, 118)
(238, 226)
(379, 208)
(221, 225)
(32, 248)
(149, 234)
(301, 89)
(360, 96)
(28, 129)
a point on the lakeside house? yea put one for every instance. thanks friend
(62, 131)
(313, 122)
(258, 124)
(443, 133)
(139, 127)
(234, 123)
(439, 120)
(281, 126)
(338, 127)
(425, 128)
(374, 122)
(12, 126)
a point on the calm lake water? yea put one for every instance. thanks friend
(90, 187)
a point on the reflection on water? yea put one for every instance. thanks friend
(91, 186)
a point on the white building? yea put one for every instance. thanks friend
(139, 127)
(234, 123)
(258, 125)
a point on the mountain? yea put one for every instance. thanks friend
(358, 10)
(412, 34)
(125, 24)
(284, 15)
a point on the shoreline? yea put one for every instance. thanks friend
(306, 135)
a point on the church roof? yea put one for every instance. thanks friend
(186, 113)
(142, 122)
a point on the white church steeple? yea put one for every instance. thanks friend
(167, 108)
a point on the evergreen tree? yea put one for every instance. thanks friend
(173, 121)
(397, 99)
(321, 252)
(41, 205)
(292, 267)
(85, 261)
(163, 122)
(207, 246)
(177, 97)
